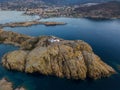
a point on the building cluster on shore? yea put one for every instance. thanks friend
(90, 10)
(53, 11)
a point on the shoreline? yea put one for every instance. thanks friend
(88, 17)
(66, 16)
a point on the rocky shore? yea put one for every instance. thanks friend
(49, 55)
(30, 23)
(5, 85)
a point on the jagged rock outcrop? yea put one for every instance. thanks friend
(49, 55)
(5, 85)
(21, 40)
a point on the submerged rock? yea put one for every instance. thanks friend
(50, 55)
(5, 85)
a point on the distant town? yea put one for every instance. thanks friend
(89, 10)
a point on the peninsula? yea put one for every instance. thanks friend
(49, 55)
(30, 23)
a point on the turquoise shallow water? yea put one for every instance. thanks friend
(102, 35)
(15, 16)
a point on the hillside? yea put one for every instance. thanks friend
(104, 10)
(75, 1)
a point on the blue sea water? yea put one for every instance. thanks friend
(102, 35)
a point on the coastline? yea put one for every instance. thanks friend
(81, 16)
(97, 17)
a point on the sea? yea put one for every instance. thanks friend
(102, 35)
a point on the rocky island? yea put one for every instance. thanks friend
(30, 23)
(5, 85)
(49, 55)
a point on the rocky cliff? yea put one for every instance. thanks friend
(50, 55)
